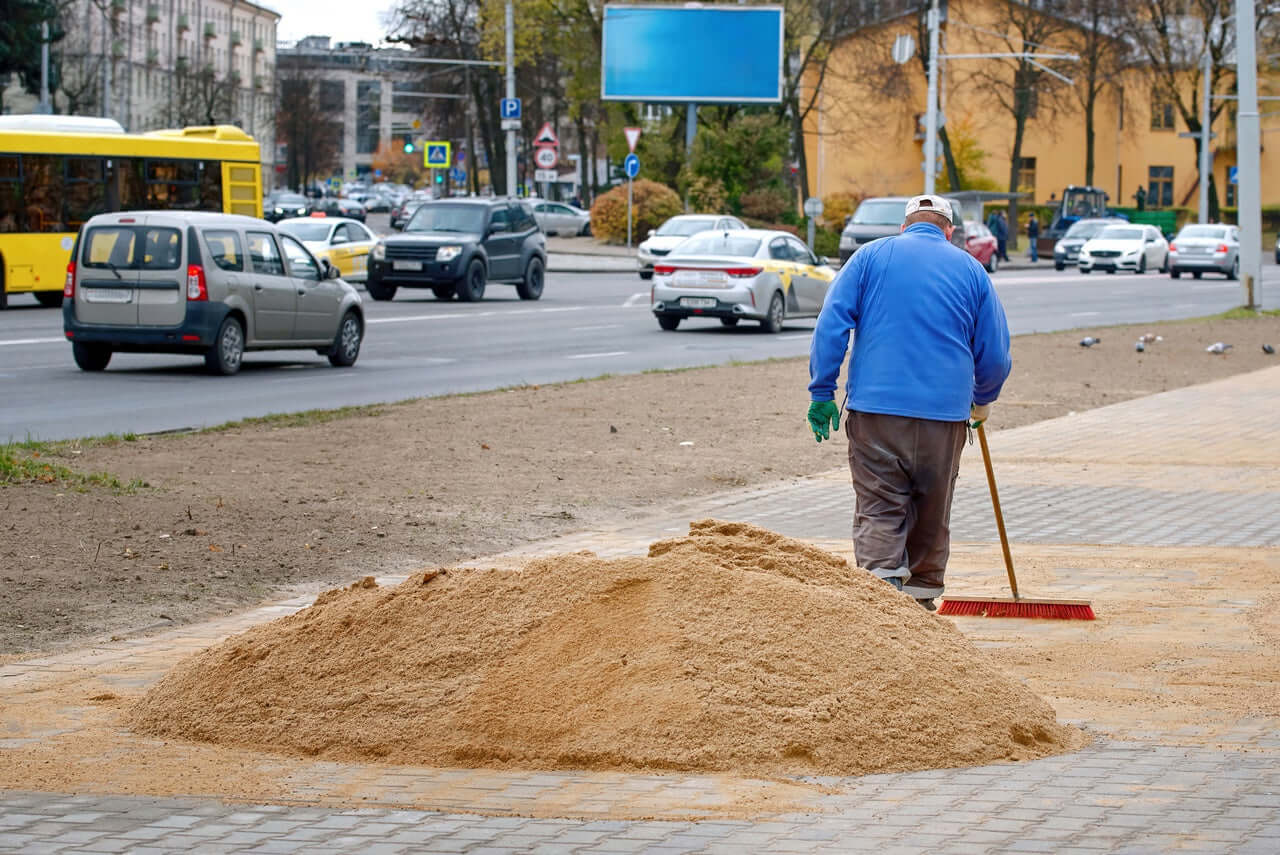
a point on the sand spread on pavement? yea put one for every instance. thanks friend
(733, 649)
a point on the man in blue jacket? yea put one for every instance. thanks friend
(930, 355)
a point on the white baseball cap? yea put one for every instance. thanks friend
(929, 203)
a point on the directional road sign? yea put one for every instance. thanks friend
(510, 108)
(458, 176)
(1232, 175)
(436, 155)
(631, 166)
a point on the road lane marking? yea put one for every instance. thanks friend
(400, 319)
(597, 327)
(636, 299)
(1214, 287)
(1084, 314)
(793, 337)
(18, 341)
(596, 355)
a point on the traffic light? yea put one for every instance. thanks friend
(439, 177)
(408, 146)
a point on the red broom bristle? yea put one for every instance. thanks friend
(1016, 609)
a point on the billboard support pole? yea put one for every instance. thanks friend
(690, 131)
(511, 93)
(628, 212)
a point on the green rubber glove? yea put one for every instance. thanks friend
(978, 413)
(824, 417)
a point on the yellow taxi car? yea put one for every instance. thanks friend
(346, 243)
(757, 274)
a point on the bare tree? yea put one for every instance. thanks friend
(312, 137)
(1098, 39)
(1027, 88)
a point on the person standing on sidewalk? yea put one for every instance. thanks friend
(1001, 231)
(1033, 235)
(930, 356)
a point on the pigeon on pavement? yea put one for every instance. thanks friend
(1218, 348)
(1268, 349)
(1089, 341)
(1148, 338)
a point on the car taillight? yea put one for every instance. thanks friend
(197, 289)
(1222, 247)
(69, 288)
(663, 269)
(742, 272)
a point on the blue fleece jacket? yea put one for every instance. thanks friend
(931, 334)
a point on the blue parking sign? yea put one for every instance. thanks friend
(1232, 175)
(510, 108)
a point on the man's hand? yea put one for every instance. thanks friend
(824, 417)
(978, 414)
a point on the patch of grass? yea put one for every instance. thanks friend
(1240, 313)
(306, 418)
(30, 462)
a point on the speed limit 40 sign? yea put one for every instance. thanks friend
(546, 157)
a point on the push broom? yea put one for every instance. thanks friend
(1015, 606)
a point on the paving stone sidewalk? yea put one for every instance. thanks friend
(1192, 467)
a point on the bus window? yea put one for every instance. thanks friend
(172, 184)
(10, 192)
(211, 186)
(42, 193)
(86, 190)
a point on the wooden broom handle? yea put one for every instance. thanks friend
(995, 505)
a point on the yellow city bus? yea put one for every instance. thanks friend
(58, 171)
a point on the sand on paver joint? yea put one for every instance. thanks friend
(733, 649)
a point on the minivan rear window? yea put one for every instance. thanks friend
(132, 248)
(224, 246)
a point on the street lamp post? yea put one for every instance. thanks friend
(1248, 156)
(511, 93)
(931, 112)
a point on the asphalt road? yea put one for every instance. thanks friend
(584, 326)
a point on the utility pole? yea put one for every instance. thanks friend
(44, 107)
(931, 111)
(1248, 156)
(511, 93)
(1206, 154)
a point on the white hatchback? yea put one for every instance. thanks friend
(1125, 247)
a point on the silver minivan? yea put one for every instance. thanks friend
(211, 285)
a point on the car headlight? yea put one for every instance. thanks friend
(846, 241)
(1059, 248)
(1133, 251)
(379, 251)
(448, 253)
(279, 210)
(1084, 253)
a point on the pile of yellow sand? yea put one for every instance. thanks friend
(733, 649)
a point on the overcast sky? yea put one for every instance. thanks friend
(347, 22)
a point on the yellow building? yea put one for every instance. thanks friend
(866, 137)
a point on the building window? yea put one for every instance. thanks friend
(1161, 114)
(1027, 176)
(368, 116)
(1159, 186)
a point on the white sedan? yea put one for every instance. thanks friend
(732, 275)
(557, 218)
(672, 233)
(1125, 247)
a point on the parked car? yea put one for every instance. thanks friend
(1205, 249)
(670, 234)
(280, 205)
(1067, 249)
(752, 274)
(1125, 247)
(345, 243)
(557, 218)
(401, 213)
(211, 285)
(377, 202)
(456, 246)
(349, 208)
(981, 244)
(882, 216)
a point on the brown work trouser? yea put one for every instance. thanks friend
(904, 474)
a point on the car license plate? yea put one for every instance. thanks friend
(698, 302)
(406, 265)
(108, 295)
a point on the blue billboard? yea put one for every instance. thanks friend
(702, 55)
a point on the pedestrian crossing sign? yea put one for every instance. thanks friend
(436, 155)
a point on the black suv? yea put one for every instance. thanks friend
(456, 246)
